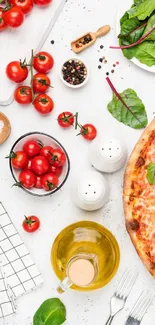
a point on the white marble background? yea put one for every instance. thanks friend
(57, 212)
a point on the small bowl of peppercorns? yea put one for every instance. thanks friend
(74, 73)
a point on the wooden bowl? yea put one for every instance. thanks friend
(5, 128)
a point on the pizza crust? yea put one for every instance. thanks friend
(127, 198)
(128, 176)
(139, 246)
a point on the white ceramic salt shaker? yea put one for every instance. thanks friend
(107, 155)
(90, 191)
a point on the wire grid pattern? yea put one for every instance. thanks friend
(6, 306)
(21, 272)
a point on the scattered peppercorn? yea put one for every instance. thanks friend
(114, 65)
(112, 71)
(74, 72)
(117, 62)
(101, 47)
(101, 60)
(99, 67)
(105, 61)
(107, 73)
(52, 42)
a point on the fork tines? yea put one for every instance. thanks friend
(141, 305)
(126, 283)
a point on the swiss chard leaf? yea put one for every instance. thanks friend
(135, 116)
(149, 26)
(142, 10)
(128, 53)
(51, 312)
(131, 31)
(151, 173)
(124, 18)
(145, 53)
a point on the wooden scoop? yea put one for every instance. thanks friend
(88, 39)
(5, 128)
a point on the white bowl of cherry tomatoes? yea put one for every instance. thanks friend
(39, 164)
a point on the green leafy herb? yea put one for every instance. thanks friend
(142, 10)
(151, 173)
(51, 312)
(127, 108)
(145, 53)
(149, 26)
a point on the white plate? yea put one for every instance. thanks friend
(124, 7)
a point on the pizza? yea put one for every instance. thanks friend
(139, 197)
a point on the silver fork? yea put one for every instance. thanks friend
(121, 294)
(137, 313)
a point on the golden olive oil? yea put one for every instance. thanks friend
(86, 237)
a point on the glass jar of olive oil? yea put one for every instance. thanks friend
(85, 256)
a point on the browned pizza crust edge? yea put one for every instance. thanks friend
(131, 227)
(134, 156)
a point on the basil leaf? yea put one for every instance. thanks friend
(145, 53)
(142, 10)
(51, 312)
(138, 119)
(150, 25)
(151, 173)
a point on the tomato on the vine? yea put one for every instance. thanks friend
(25, 6)
(40, 165)
(13, 17)
(31, 224)
(66, 119)
(16, 72)
(18, 159)
(27, 179)
(38, 182)
(46, 152)
(58, 158)
(32, 148)
(56, 170)
(41, 83)
(3, 25)
(43, 62)
(43, 104)
(88, 131)
(49, 182)
(23, 95)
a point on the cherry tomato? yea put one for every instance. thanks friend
(31, 224)
(42, 3)
(49, 181)
(43, 104)
(23, 95)
(25, 6)
(3, 25)
(40, 165)
(32, 148)
(29, 164)
(88, 131)
(13, 17)
(18, 159)
(56, 170)
(41, 83)
(43, 62)
(66, 119)
(58, 158)
(27, 179)
(38, 182)
(46, 152)
(16, 72)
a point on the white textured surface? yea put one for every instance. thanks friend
(55, 213)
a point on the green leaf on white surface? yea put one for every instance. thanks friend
(51, 312)
(135, 116)
(142, 10)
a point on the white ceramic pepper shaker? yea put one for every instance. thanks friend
(107, 155)
(90, 191)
